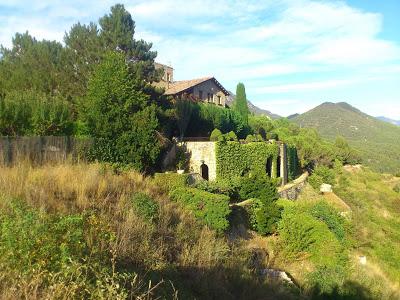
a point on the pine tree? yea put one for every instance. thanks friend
(241, 102)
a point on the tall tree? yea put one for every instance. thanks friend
(31, 64)
(240, 104)
(120, 117)
(84, 51)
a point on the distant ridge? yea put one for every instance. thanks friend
(377, 141)
(388, 120)
(254, 109)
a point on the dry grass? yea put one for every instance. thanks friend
(176, 247)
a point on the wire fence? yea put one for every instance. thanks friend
(42, 149)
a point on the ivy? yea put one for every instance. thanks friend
(235, 159)
(293, 162)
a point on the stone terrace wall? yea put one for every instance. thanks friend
(292, 190)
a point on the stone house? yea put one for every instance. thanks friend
(206, 89)
(203, 161)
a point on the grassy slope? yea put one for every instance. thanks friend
(376, 218)
(178, 254)
(374, 232)
(377, 141)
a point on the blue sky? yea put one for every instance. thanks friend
(291, 54)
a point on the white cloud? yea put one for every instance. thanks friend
(298, 87)
(284, 48)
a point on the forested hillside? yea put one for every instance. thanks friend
(378, 142)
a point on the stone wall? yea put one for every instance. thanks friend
(292, 190)
(209, 87)
(202, 153)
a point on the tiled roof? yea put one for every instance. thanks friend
(180, 86)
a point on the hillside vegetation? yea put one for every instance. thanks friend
(84, 232)
(378, 142)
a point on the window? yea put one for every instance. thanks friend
(219, 100)
(201, 95)
(169, 77)
(209, 97)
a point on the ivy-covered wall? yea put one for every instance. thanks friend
(235, 159)
(293, 162)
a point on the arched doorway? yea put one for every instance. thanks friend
(204, 171)
(278, 167)
(268, 166)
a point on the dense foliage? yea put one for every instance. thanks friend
(213, 209)
(320, 175)
(34, 113)
(206, 117)
(376, 142)
(264, 212)
(235, 159)
(240, 104)
(120, 117)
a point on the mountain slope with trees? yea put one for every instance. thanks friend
(378, 142)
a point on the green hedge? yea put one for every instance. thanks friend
(170, 181)
(213, 209)
(235, 159)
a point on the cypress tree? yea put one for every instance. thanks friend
(241, 102)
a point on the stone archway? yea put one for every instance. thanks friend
(278, 167)
(204, 171)
(268, 167)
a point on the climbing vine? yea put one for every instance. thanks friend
(293, 162)
(235, 159)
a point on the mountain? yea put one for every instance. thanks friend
(378, 142)
(254, 109)
(391, 121)
(292, 116)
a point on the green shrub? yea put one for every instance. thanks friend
(223, 187)
(231, 136)
(297, 233)
(33, 240)
(216, 134)
(181, 158)
(254, 138)
(212, 209)
(320, 175)
(170, 181)
(327, 214)
(264, 212)
(396, 188)
(264, 216)
(258, 186)
(272, 136)
(146, 207)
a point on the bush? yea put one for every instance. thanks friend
(327, 214)
(216, 134)
(223, 187)
(264, 212)
(170, 181)
(396, 188)
(212, 209)
(264, 216)
(146, 207)
(231, 136)
(254, 138)
(320, 175)
(32, 240)
(260, 187)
